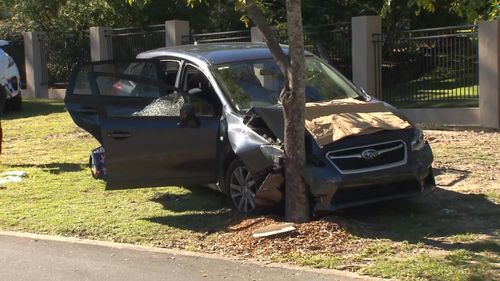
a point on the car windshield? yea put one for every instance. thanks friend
(259, 83)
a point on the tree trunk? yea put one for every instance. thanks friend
(293, 100)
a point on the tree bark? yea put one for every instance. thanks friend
(293, 101)
(297, 201)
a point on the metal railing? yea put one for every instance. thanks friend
(128, 42)
(331, 42)
(60, 51)
(435, 67)
(222, 37)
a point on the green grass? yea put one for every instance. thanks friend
(60, 197)
(457, 266)
(448, 235)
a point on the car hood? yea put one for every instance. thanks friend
(330, 121)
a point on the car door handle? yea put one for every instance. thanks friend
(119, 135)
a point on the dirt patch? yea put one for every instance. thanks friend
(322, 236)
(464, 157)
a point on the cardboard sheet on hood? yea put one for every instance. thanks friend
(330, 121)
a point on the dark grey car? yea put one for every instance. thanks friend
(210, 115)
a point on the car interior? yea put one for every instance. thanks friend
(201, 94)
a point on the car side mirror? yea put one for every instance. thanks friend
(187, 117)
(365, 94)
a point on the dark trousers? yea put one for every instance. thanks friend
(3, 97)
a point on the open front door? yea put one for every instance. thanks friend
(82, 103)
(145, 140)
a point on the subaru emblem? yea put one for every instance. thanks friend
(369, 154)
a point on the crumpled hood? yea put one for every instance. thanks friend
(330, 121)
(273, 117)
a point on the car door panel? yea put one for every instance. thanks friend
(144, 150)
(162, 152)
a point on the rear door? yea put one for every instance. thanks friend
(140, 130)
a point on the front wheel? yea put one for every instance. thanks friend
(241, 186)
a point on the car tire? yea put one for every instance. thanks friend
(240, 186)
(14, 104)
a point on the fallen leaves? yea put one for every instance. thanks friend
(321, 236)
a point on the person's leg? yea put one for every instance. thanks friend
(3, 98)
(1, 136)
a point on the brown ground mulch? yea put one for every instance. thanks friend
(321, 236)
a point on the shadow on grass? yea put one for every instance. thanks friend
(53, 168)
(33, 108)
(443, 213)
(455, 174)
(201, 210)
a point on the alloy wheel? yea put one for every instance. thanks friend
(242, 189)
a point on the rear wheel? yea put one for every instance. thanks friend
(241, 186)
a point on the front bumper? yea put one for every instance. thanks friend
(332, 190)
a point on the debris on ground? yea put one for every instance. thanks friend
(274, 229)
(320, 236)
(12, 176)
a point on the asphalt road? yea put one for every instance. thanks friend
(34, 257)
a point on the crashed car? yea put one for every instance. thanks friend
(10, 79)
(210, 115)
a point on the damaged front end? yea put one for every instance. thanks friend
(366, 164)
(261, 150)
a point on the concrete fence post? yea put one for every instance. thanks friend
(363, 51)
(101, 46)
(176, 32)
(36, 65)
(256, 35)
(489, 70)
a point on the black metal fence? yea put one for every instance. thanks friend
(332, 42)
(435, 67)
(128, 42)
(60, 51)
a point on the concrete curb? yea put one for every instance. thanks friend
(175, 252)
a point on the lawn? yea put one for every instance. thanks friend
(452, 234)
(437, 88)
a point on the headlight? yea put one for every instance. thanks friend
(273, 152)
(11, 62)
(418, 140)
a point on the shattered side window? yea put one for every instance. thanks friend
(164, 106)
(159, 103)
(139, 89)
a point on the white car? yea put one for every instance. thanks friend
(10, 79)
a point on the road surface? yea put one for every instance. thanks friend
(38, 257)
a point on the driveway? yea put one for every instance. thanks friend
(40, 257)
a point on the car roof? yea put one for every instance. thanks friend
(215, 53)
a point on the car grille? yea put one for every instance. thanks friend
(368, 158)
